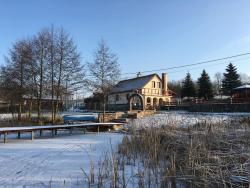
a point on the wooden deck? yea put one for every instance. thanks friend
(53, 128)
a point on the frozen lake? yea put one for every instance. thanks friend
(58, 161)
(52, 162)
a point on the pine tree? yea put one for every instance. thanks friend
(188, 88)
(205, 86)
(175, 86)
(231, 79)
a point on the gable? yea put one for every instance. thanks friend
(156, 79)
(134, 84)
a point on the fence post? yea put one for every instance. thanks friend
(52, 132)
(32, 135)
(19, 135)
(5, 137)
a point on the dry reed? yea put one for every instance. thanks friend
(204, 155)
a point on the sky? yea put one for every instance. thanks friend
(145, 34)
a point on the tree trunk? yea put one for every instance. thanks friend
(52, 100)
(52, 75)
(104, 110)
(58, 90)
(39, 106)
(20, 92)
(39, 111)
(30, 108)
(56, 107)
(19, 117)
(12, 108)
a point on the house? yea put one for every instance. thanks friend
(93, 102)
(145, 92)
(241, 94)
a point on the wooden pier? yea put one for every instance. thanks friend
(53, 128)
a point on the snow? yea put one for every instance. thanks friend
(183, 119)
(52, 162)
(58, 161)
(30, 128)
(6, 116)
(246, 86)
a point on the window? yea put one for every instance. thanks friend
(127, 95)
(117, 97)
(159, 84)
(149, 100)
(153, 84)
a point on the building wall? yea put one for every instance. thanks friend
(119, 98)
(153, 93)
(153, 89)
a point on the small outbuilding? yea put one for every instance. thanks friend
(93, 102)
(241, 93)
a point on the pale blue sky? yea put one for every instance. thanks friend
(145, 34)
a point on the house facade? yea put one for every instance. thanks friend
(146, 92)
(241, 94)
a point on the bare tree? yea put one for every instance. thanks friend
(64, 67)
(46, 65)
(69, 71)
(51, 70)
(15, 75)
(39, 67)
(104, 72)
(8, 86)
(218, 82)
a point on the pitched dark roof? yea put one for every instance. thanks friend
(132, 84)
(246, 86)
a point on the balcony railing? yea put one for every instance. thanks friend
(146, 91)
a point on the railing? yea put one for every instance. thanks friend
(53, 128)
(149, 91)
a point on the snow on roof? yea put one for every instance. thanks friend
(246, 86)
(132, 84)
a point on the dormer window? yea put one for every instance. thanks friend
(159, 84)
(117, 98)
(153, 84)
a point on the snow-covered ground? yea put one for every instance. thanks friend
(52, 162)
(7, 116)
(58, 162)
(184, 119)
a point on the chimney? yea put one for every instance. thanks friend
(164, 83)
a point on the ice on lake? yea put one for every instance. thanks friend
(52, 162)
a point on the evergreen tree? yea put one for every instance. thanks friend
(176, 87)
(231, 79)
(188, 88)
(205, 86)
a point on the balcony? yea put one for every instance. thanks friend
(155, 92)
